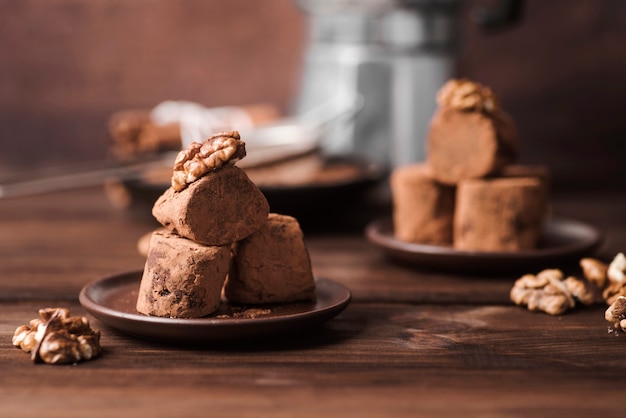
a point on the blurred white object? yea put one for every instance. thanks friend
(264, 143)
(300, 134)
(198, 122)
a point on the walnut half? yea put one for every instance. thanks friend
(609, 278)
(549, 291)
(58, 338)
(595, 271)
(616, 313)
(466, 95)
(224, 148)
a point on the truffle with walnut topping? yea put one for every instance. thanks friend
(470, 136)
(212, 201)
(211, 209)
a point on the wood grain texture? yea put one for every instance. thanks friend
(373, 359)
(412, 342)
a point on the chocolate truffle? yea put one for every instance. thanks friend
(541, 172)
(464, 145)
(221, 207)
(272, 265)
(470, 135)
(423, 208)
(181, 278)
(502, 214)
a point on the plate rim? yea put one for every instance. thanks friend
(375, 233)
(371, 172)
(112, 317)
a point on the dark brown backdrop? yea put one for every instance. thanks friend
(65, 65)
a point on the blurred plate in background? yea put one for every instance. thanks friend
(310, 187)
(563, 242)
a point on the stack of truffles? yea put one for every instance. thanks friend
(469, 193)
(219, 239)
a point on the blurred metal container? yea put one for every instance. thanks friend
(392, 54)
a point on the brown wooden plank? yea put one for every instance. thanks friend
(396, 358)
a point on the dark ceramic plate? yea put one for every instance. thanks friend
(562, 242)
(341, 180)
(112, 300)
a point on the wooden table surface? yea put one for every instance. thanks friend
(411, 343)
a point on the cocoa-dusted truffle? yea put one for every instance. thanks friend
(502, 214)
(423, 208)
(272, 265)
(541, 172)
(469, 135)
(181, 278)
(219, 208)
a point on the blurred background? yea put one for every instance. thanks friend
(67, 65)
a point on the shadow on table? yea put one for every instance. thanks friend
(336, 331)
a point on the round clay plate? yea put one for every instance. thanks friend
(343, 179)
(562, 241)
(112, 300)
